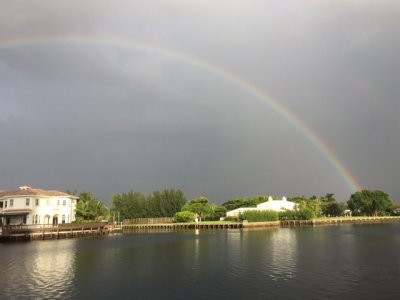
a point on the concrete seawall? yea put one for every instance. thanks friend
(356, 220)
(180, 226)
(244, 224)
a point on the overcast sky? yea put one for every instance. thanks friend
(107, 119)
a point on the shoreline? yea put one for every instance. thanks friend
(96, 230)
(245, 224)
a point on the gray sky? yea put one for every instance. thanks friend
(108, 119)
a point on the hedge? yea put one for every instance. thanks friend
(185, 217)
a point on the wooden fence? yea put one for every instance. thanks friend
(148, 221)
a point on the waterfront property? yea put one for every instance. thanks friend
(31, 206)
(271, 204)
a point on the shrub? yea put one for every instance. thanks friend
(185, 217)
(259, 216)
(305, 214)
(218, 212)
(287, 215)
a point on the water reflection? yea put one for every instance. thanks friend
(39, 270)
(196, 249)
(289, 263)
(271, 253)
(283, 265)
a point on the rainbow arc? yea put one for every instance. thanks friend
(205, 66)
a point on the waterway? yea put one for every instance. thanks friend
(322, 262)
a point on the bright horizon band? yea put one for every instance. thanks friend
(292, 118)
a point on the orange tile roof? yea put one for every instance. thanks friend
(33, 192)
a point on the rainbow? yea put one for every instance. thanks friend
(251, 89)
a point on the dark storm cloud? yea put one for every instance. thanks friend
(108, 119)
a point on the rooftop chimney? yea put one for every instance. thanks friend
(24, 188)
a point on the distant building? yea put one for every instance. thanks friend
(275, 205)
(27, 205)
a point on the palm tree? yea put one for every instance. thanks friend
(90, 208)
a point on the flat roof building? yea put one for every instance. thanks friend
(271, 204)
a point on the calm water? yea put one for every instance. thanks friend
(346, 262)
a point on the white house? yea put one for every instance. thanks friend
(27, 205)
(275, 205)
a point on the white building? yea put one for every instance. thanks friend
(30, 206)
(275, 205)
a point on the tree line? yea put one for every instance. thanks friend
(134, 204)
(361, 203)
(364, 202)
(169, 202)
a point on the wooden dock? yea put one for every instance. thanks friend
(48, 232)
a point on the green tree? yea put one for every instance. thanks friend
(233, 204)
(129, 205)
(200, 207)
(329, 206)
(333, 209)
(301, 201)
(244, 202)
(329, 197)
(371, 203)
(314, 203)
(165, 203)
(90, 208)
(100, 211)
(218, 212)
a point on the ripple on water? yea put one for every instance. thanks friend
(38, 270)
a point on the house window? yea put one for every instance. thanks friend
(37, 202)
(64, 202)
(24, 220)
(27, 201)
(5, 204)
(58, 201)
(1, 204)
(63, 219)
(11, 202)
